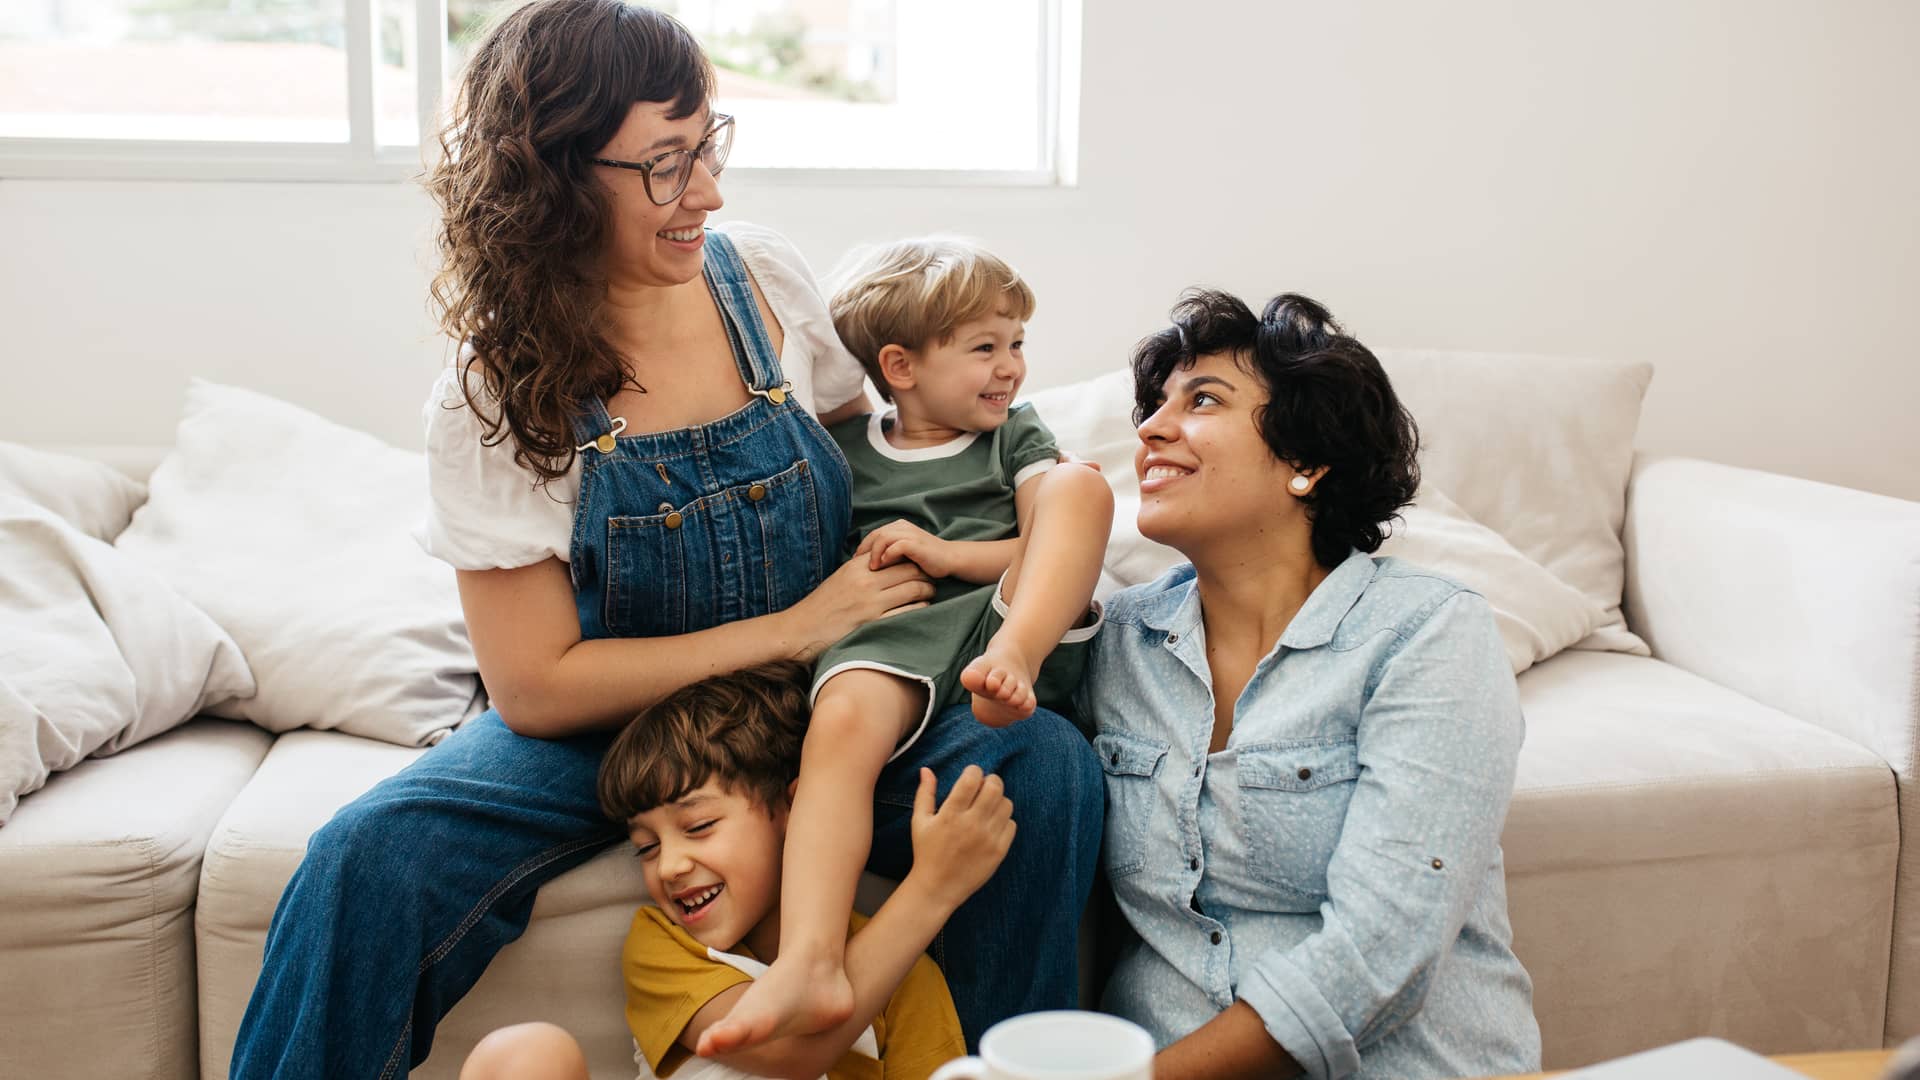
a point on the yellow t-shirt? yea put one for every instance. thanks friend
(670, 976)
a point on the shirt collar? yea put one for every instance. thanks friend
(1320, 616)
(1176, 607)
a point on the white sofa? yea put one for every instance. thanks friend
(1704, 840)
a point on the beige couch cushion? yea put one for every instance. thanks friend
(565, 969)
(1537, 448)
(98, 872)
(1677, 854)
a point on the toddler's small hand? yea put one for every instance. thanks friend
(898, 541)
(959, 846)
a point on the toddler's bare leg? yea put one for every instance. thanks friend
(537, 1051)
(1046, 589)
(858, 718)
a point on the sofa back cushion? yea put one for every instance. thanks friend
(1538, 449)
(95, 498)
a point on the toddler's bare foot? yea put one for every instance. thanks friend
(791, 998)
(1001, 682)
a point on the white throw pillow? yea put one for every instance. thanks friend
(100, 653)
(96, 499)
(1538, 614)
(1538, 449)
(294, 533)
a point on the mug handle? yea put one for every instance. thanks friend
(966, 1068)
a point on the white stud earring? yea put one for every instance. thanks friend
(1299, 484)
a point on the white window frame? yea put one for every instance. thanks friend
(362, 160)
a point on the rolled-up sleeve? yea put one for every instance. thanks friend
(1437, 743)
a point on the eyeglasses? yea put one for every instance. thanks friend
(666, 175)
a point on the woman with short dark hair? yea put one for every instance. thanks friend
(1309, 750)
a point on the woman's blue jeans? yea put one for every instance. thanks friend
(407, 893)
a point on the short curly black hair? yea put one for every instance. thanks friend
(1329, 403)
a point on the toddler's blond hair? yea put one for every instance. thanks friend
(915, 293)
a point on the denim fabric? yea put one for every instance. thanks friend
(685, 530)
(1337, 864)
(406, 894)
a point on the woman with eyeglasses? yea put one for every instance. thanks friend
(629, 474)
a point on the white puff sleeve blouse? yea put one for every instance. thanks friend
(485, 512)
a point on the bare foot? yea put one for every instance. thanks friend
(1002, 685)
(791, 998)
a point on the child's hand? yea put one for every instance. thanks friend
(957, 848)
(903, 540)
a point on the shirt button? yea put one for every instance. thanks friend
(1196, 770)
(1115, 758)
(757, 492)
(1171, 638)
(1193, 864)
(1216, 937)
(1305, 773)
(1438, 865)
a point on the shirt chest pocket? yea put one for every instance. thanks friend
(1130, 763)
(1293, 806)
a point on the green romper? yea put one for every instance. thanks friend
(960, 490)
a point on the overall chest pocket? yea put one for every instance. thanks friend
(1293, 805)
(746, 550)
(1130, 763)
(792, 553)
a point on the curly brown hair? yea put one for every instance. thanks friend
(742, 730)
(522, 221)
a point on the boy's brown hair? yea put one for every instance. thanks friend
(915, 293)
(742, 730)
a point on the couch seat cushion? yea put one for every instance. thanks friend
(565, 969)
(98, 873)
(1683, 860)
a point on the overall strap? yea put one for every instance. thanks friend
(732, 289)
(591, 422)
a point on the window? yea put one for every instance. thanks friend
(332, 89)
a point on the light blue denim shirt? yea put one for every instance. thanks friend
(1337, 866)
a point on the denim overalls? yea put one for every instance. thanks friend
(683, 530)
(407, 893)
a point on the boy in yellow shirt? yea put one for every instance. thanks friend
(703, 781)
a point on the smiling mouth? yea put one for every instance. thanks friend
(1000, 398)
(684, 236)
(695, 903)
(1164, 472)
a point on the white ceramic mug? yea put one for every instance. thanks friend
(1063, 1045)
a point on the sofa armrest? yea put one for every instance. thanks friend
(1801, 595)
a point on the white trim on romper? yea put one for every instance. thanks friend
(877, 436)
(1073, 636)
(820, 680)
(1042, 466)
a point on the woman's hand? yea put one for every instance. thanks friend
(851, 597)
(958, 847)
(901, 539)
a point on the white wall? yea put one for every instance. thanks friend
(1731, 190)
